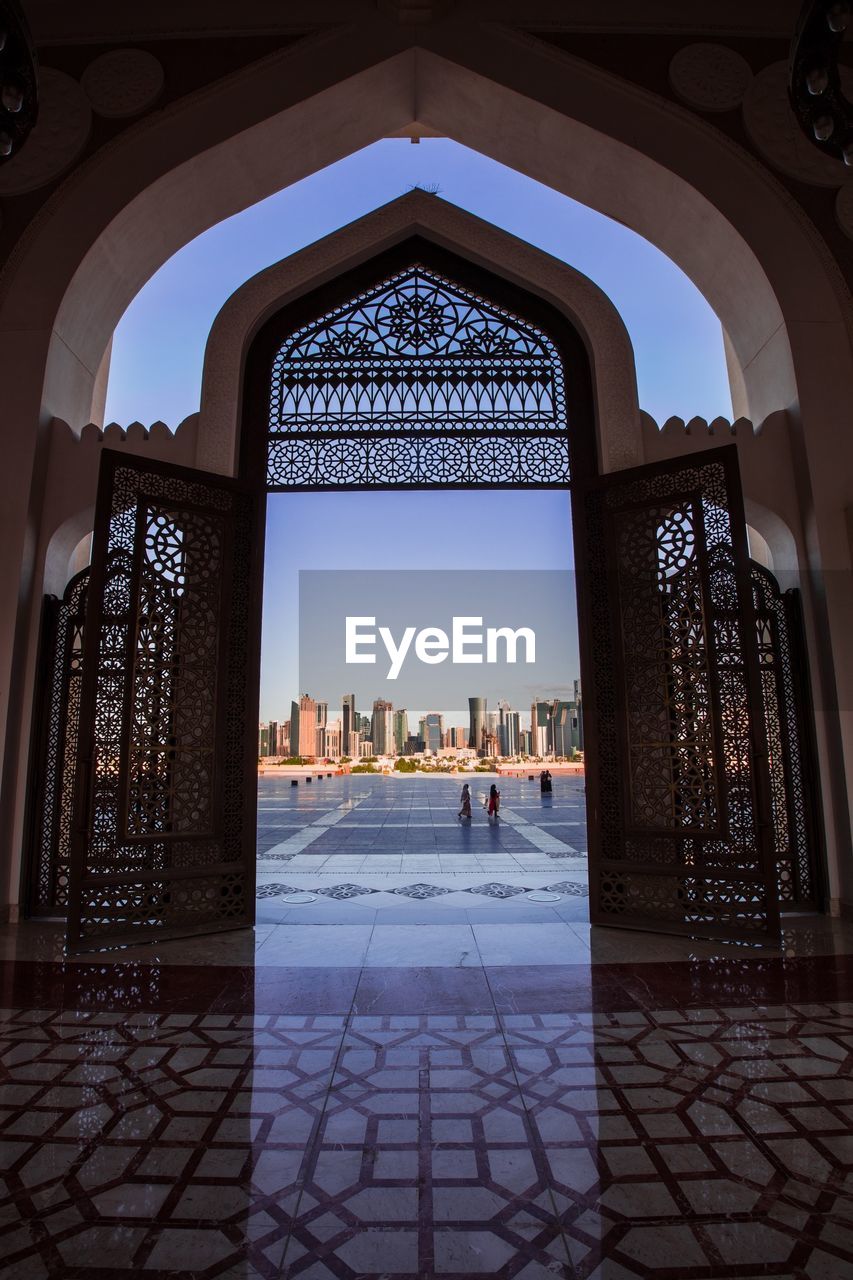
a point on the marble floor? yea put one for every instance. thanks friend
(417, 1090)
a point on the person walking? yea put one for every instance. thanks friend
(494, 801)
(465, 803)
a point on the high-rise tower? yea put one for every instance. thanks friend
(382, 728)
(348, 721)
(477, 724)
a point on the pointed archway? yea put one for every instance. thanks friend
(419, 368)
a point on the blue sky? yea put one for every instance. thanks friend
(158, 352)
(159, 342)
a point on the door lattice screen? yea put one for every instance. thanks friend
(679, 833)
(164, 842)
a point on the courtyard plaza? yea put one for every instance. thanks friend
(454, 1080)
(394, 845)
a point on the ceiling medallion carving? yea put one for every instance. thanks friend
(57, 139)
(710, 77)
(123, 82)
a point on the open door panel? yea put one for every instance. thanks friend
(679, 810)
(164, 832)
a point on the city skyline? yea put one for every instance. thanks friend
(555, 729)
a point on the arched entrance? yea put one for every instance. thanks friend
(419, 368)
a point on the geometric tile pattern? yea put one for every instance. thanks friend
(341, 892)
(570, 887)
(496, 890)
(421, 891)
(696, 1142)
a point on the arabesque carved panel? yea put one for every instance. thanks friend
(417, 383)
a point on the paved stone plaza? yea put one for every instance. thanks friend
(376, 843)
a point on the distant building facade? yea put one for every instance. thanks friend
(433, 732)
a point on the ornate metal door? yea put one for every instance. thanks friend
(678, 790)
(164, 834)
(55, 758)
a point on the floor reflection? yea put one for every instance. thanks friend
(358, 1101)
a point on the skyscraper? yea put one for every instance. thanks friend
(322, 713)
(382, 728)
(294, 728)
(307, 726)
(348, 717)
(563, 715)
(541, 728)
(508, 730)
(401, 730)
(477, 724)
(433, 731)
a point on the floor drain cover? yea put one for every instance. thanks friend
(296, 898)
(543, 895)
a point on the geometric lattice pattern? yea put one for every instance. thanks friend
(782, 661)
(417, 382)
(697, 1143)
(668, 669)
(683, 831)
(164, 706)
(62, 659)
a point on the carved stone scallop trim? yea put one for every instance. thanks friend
(123, 82)
(57, 138)
(772, 126)
(710, 77)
